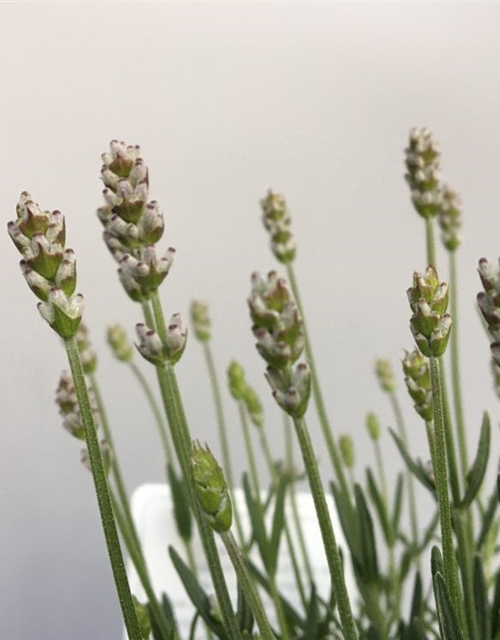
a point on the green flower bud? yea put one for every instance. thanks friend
(201, 321)
(276, 219)
(418, 382)
(450, 219)
(291, 394)
(384, 373)
(49, 268)
(422, 160)
(277, 322)
(119, 343)
(346, 446)
(254, 407)
(373, 426)
(211, 488)
(87, 354)
(429, 323)
(236, 380)
(142, 614)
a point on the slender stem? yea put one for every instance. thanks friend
(182, 443)
(160, 422)
(102, 493)
(257, 492)
(455, 368)
(221, 423)
(441, 472)
(148, 316)
(253, 598)
(289, 540)
(140, 566)
(450, 442)
(430, 244)
(293, 500)
(115, 465)
(327, 533)
(318, 396)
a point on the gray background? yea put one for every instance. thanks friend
(226, 100)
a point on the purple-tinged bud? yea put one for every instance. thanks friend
(69, 410)
(151, 225)
(62, 313)
(150, 345)
(418, 382)
(176, 339)
(293, 394)
(450, 219)
(37, 283)
(422, 160)
(148, 271)
(276, 219)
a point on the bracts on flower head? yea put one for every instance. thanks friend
(49, 268)
(211, 488)
(422, 160)
(418, 382)
(292, 393)
(430, 324)
(277, 221)
(489, 303)
(152, 348)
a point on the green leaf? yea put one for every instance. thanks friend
(436, 561)
(244, 612)
(257, 522)
(448, 619)
(481, 599)
(348, 522)
(369, 568)
(488, 517)
(278, 524)
(415, 466)
(311, 630)
(495, 610)
(476, 473)
(380, 507)
(398, 503)
(416, 601)
(182, 509)
(196, 594)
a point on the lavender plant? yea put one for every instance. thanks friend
(414, 580)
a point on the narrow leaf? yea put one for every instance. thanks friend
(481, 599)
(182, 509)
(476, 473)
(278, 524)
(415, 466)
(380, 507)
(368, 547)
(448, 620)
(258, 526)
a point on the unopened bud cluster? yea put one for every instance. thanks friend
(280, 341)
(418, 382)
(450, 218)
(489, 303)
(385, 375)
(49, 268)
(422, 159)
(242, 391)
(211, 488)
(88, 356)
(201, 321)
(430, 324)
(277, 221)
(132, 224)
(346, 446)
(373, 426)
(69, 410)
(153, 349)
(120, 344)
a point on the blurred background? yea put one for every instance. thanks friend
(226, 99)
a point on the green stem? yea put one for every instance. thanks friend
(293, 500)
(140, 566)
(318, 396)
(115, 465)
(455, 368)
(430, 244)
(441, 473)
(221, 423)
(257, 493)
(102, 493)
(327, 533)
(160, 422)
(291, 547)
(254, 601)
(148, 316)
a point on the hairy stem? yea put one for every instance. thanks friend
(102, 493)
